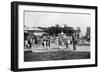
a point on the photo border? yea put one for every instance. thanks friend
(14, 35)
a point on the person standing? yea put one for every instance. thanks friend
(74, 40)
(66, 43)
(33, 43)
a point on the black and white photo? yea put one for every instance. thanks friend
(52, 36)
(56, 36)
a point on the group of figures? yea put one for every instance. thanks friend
(46, 43)
(29, 43)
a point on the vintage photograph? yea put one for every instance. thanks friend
(56, 36)
(48, 36)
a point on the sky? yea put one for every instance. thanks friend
(47, 19)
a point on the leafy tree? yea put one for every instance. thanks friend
(87, 36)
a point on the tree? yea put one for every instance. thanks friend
(68, 30)
(87, 36)
(54, 30)
(78, 29)
(78, 32)
(57, 26)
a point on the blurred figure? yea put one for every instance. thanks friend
(48, 43)
(33, 43)
(44, 43)
(66, 43)
(26, 44)
(74, 40)
(30, 43)
(60, 41)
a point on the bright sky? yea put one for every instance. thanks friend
(46, 19)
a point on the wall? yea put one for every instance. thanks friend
(5, 17)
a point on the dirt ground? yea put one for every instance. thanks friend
(55, 55)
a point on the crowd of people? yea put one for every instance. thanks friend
(46, 41)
